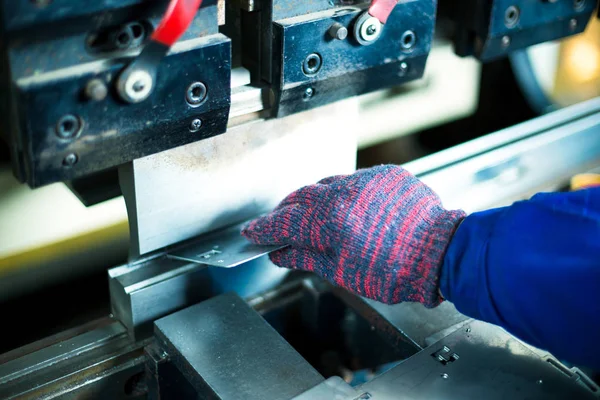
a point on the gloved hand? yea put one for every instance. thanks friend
(380, 233)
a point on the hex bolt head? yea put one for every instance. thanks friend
(96, 90)
(196, 94)
(195, 125)
(338, 31)
(70, 160)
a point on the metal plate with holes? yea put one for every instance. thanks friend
(346, 68)
(226, 248)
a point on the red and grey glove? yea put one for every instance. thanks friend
(380, 233)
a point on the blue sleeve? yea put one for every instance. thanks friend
(534, 269)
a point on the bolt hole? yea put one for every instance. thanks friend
(408, 40)
(196, 92)
(137, 30)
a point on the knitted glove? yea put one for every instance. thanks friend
(380, 233)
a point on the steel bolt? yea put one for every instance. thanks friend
(70, 160)
(312, 64)
(136, 86)
(308, 93)
(408, 40)
(195, 125)
(511, 16)
(445, 376)
(573, 24)
(68, 126)
(367, 29)
(505, 41)
(338, 31)
(96, 90)
(196, 94)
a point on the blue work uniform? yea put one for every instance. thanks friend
(533, 268)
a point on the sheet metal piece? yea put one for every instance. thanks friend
(226, 248)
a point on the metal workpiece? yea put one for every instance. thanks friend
(371, 58)
(515, 163)
(226, 248)
(226, 350)
(493, 28)
(147, 290)
(199, 188)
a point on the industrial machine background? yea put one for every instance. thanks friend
(89, 88)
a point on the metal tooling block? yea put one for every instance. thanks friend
(227, 351)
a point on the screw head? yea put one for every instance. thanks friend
(539, 382)
(308, 93)
(403, 69)
(338, 31)
(408, 40)
(573, 24)
(367, 29)
(511, 16)
(445, 376)
(96, 90)
(505, 41)
(312, 64)
(70, 160)
(468, 330)
(68, 126)
(195, 125)
(136, 86)
(196, 94)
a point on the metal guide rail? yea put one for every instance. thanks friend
(292, 335)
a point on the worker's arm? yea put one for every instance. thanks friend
(534, 269)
